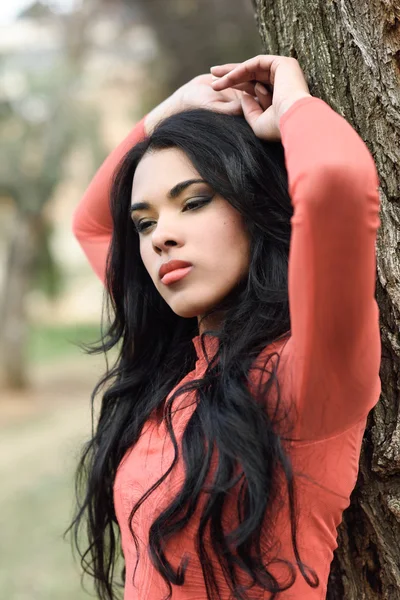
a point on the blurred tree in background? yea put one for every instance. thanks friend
(41, 121)
(192, 36)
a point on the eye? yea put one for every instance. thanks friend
(197, 203)
(142, 226)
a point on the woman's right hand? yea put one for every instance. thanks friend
(197, 93)
(283, 84)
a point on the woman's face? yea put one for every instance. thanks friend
(187, 223)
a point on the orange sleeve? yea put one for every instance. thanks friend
(92, 224)
(335, 348)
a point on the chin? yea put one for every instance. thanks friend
(189, 305)
(189, 311)
(185, 313)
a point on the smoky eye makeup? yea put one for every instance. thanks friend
(194, 201)
(192, 204)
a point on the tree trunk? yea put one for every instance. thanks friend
(350, 53)
(20, 267)
(31, 167)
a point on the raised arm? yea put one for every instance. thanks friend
(92, 224)
(335, 346)
(334, 351)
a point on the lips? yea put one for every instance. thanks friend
(172, 265)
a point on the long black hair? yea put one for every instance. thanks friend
(155, 351)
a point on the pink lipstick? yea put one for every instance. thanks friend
(174, 270)
(175, 275)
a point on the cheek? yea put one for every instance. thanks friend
(231, 242)
(145, 254)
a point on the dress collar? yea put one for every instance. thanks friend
(211, 343)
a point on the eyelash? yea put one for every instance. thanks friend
(141, 225)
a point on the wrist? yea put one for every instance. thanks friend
(168, 107)
(288, 103)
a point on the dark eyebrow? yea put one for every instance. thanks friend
(173, 193)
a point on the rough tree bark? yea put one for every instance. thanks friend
(350, 52)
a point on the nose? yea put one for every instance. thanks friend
(165, 236)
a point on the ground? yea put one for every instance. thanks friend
(41, 434)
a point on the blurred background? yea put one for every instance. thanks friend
(75, 76)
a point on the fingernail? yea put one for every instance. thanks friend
(214, 78)
(260, 88)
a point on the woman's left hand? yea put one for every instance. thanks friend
(280, 83)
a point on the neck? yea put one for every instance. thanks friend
(212, 322)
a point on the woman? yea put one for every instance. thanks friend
(241, 277)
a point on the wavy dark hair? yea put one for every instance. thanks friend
(155, 351)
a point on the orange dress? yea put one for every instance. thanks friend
(329, 366)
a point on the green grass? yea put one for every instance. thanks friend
(48, 343)
(36, 506)
(40, 452)
(37, 564)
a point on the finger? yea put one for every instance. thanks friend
(247, 87)
(234, 107)
(263, 123)
(259, 68)
(263, 95)
(220, 70)
(251, 110)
